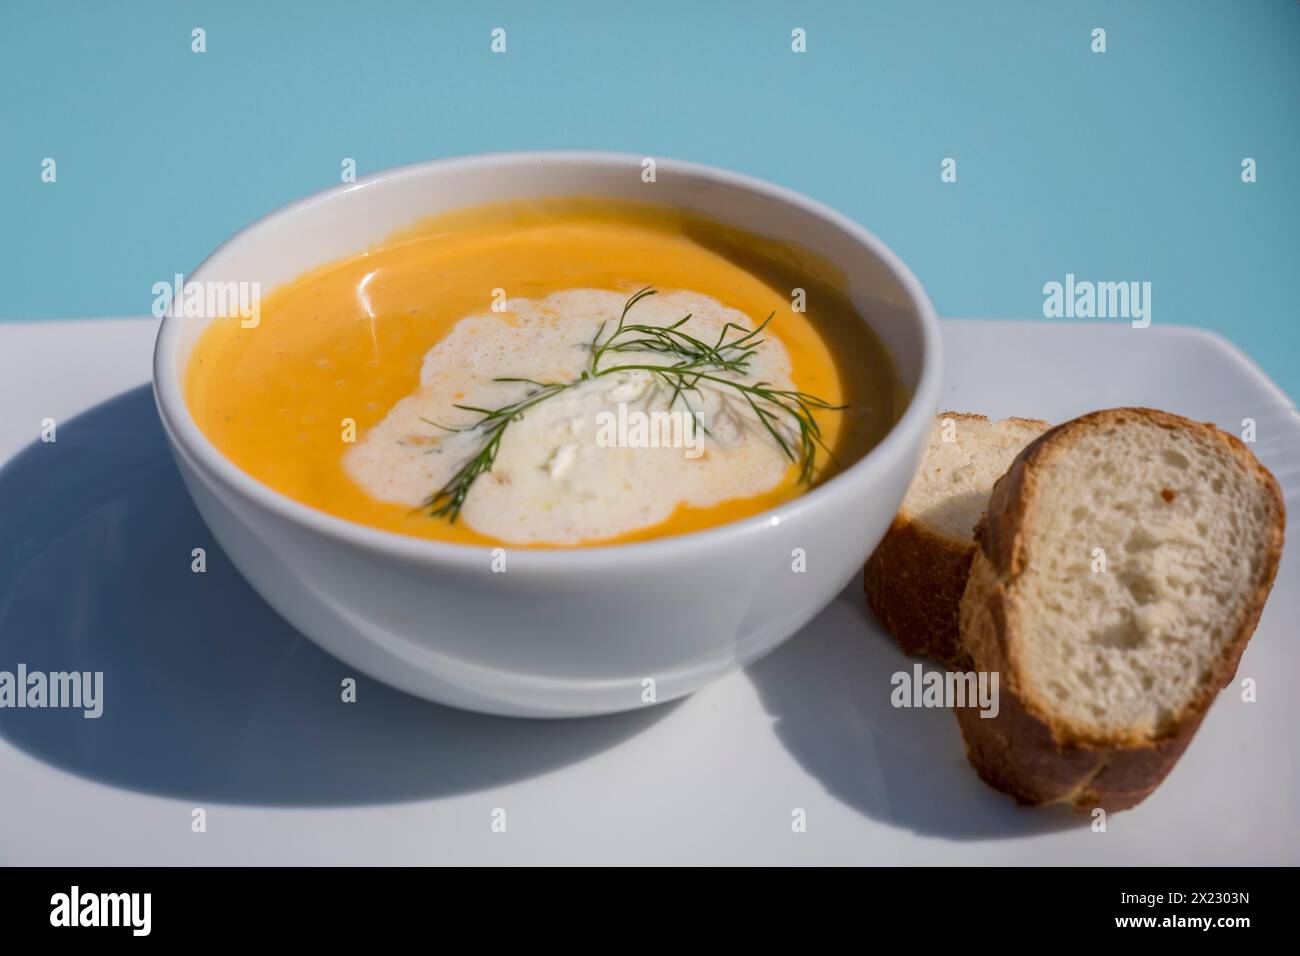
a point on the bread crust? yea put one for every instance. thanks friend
(915, 578)
(914, 582)
(1026, 750)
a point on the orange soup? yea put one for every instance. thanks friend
(549, 374)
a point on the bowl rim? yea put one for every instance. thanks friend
(189, 441)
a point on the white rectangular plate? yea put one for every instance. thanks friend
(213, 703)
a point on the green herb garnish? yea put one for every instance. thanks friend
(695, 361)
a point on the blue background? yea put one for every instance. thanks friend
(1117, 166)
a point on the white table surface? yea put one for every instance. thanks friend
(213, 702)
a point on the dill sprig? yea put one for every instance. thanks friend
(448, 500)
(722, 364)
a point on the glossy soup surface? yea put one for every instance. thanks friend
(346, 343)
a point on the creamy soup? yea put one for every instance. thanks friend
(549, 374)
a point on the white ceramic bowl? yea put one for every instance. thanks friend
(560, 632)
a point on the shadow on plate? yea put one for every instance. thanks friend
(208, 693)
(829, 689)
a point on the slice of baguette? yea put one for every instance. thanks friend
(1106, 674)
(915, 578)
